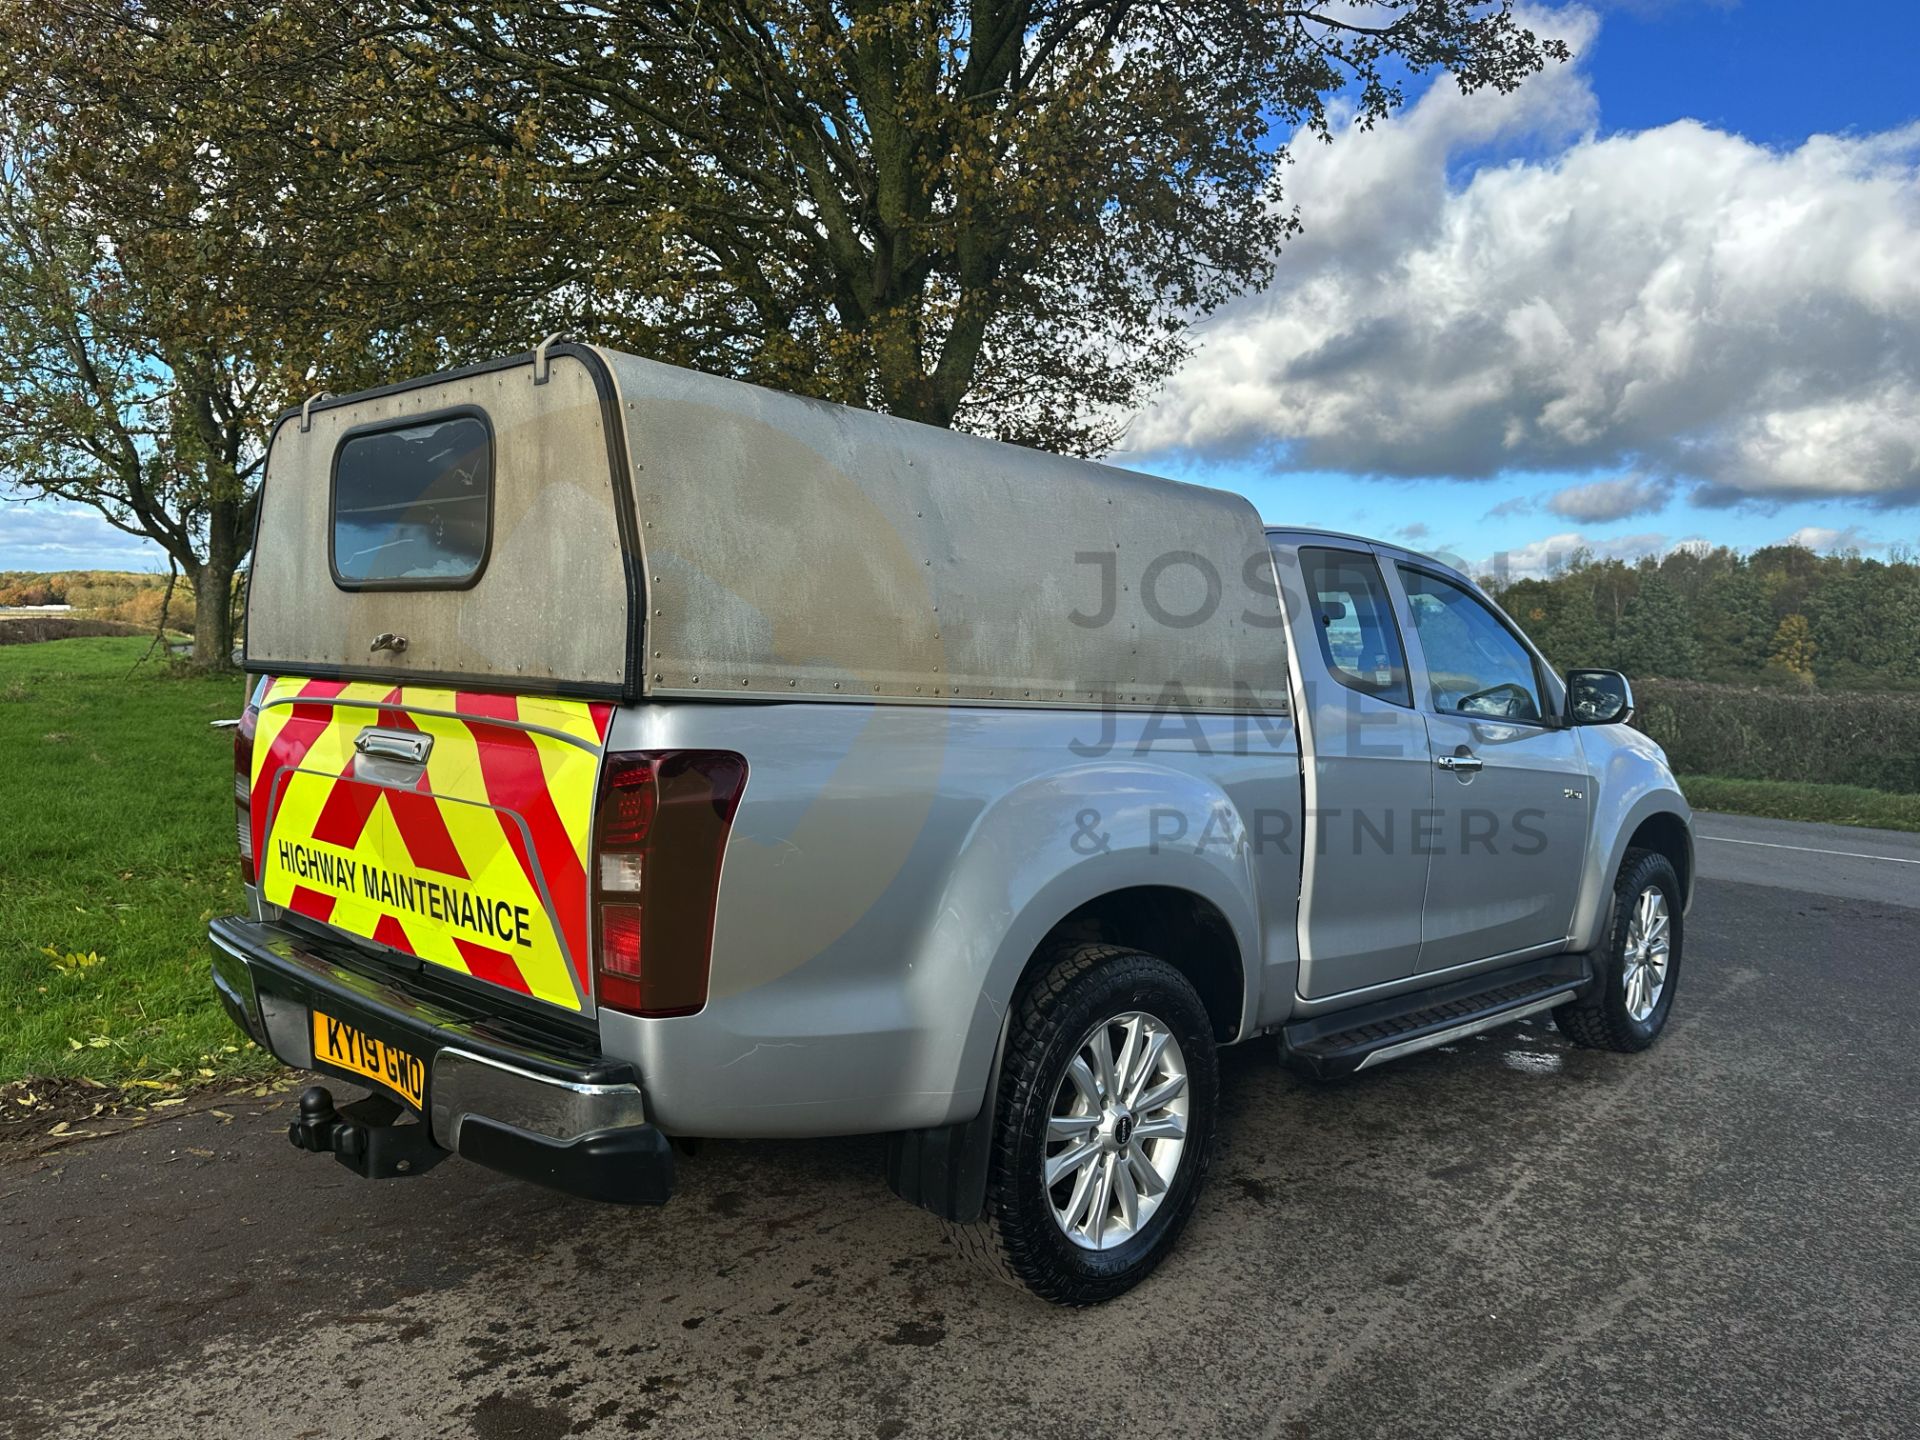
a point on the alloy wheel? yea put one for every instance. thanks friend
(1649, 946)
(1116, 1130)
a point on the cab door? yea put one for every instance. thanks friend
(1508, 826)
(1365, 771)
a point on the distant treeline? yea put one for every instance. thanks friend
(102, 595)
(1781, 616)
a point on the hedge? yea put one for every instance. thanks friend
(32, 629)
(1841, 738)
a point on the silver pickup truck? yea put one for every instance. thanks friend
(635, 756)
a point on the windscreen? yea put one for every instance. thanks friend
(413, 504)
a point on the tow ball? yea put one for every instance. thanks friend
(364, 1136)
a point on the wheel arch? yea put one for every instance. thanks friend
(1181, 927)
(1666, 833)
(1022, 864)
(944, 1168)
(1659, 820)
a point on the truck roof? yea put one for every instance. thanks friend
(1387, 547)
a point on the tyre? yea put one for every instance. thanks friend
(1637, 975)
(1103, 1126)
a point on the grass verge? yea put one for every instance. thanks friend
(116, 848)
(1789, 800)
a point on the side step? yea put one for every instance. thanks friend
(1347, 1040)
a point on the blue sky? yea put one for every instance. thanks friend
(1775, 71)
(1669, 293)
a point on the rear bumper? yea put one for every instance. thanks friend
(555, 1113)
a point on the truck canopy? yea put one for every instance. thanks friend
(591, 523)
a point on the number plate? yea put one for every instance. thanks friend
(339, 1044)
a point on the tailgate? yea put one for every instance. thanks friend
(448, 825)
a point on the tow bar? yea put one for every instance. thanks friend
(363, 1137)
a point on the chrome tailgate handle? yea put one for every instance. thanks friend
(399, 745)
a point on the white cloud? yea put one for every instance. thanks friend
(1544, 557)
(1603, 500)
(1679, 299)
(55, 535)
(1827, 539)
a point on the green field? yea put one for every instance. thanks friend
(116, 847)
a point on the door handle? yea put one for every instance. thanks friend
(386, 745)
(1459, 764)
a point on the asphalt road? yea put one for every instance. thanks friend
(1506, 1238)
(1832, 860)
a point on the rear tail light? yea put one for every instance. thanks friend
(661, 833)
(242, 787)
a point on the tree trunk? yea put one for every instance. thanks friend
(213, 589)
(213, 617)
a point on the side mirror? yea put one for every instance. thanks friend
(1598, 697)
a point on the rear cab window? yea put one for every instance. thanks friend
(1353, 618)
(413, 503)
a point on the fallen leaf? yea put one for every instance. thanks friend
(162, 1104)
(60, 1129)
(196, 1150)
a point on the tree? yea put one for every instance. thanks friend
(1735, 622)
(1794, 649)
(115, 392)
(1656, 631)
(1559, 618)
(1864, 625)
(104, 403)
(1001, 213)
(1791, 573)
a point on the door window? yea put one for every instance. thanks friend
(1359, 638)
(1475, 664)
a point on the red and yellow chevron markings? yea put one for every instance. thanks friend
(480, 865)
